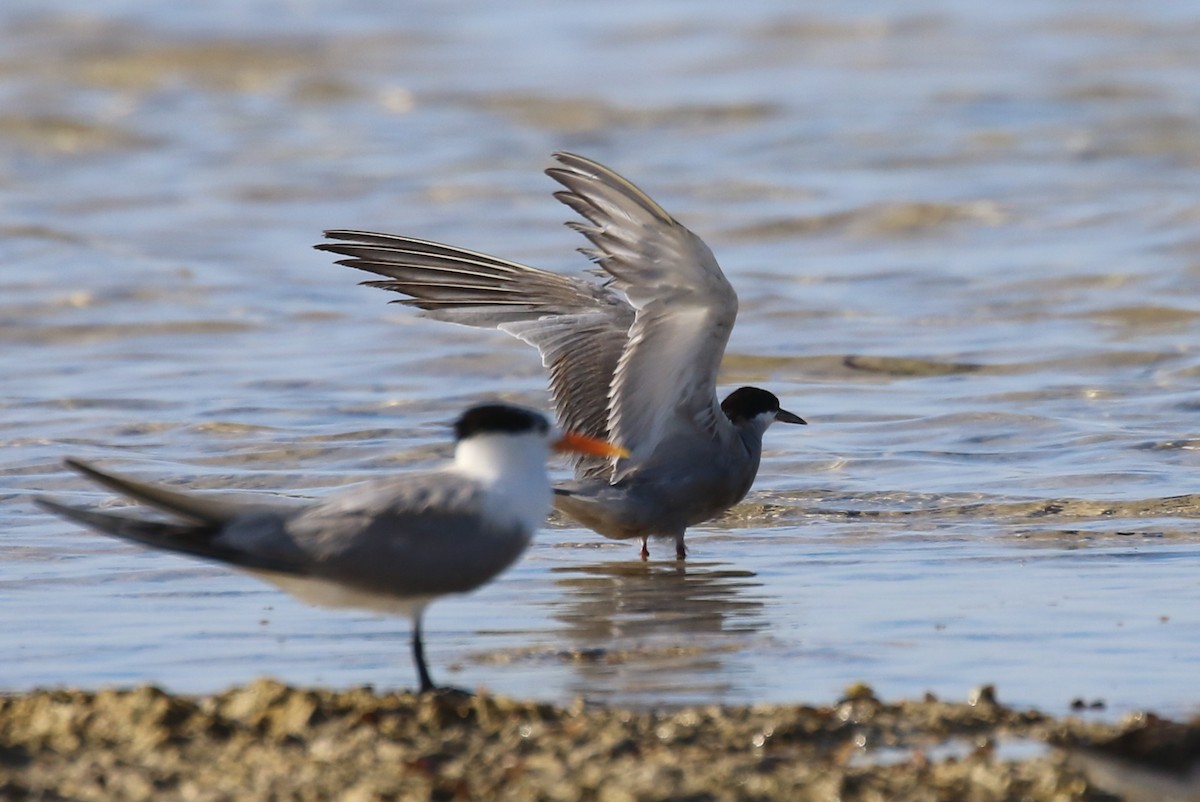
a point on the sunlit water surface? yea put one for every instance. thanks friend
(964, 239)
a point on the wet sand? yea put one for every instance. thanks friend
(270, 741)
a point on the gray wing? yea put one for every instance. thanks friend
(580, 327)
(199, 534)
(665, 380)
(410, 535)
(195, 540)
(208, 508)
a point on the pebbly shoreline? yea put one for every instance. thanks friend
(266, 741)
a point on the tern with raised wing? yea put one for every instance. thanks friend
(632, 359)
(391, 545)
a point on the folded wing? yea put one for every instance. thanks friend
(199, 534)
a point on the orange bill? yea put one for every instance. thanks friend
(582, 444)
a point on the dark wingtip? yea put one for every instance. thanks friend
(570, 159)
(340, 240)
(47, 503)
(85, 468)
(59, 508)
(341, 235)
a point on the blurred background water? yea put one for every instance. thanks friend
(965, 241)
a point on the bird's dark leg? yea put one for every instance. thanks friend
(427, 686)
(645, 550)
(680, 549)
(418, 649)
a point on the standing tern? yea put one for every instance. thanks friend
(632, 360)
(392, 545)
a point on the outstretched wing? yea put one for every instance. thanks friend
(665, 380)
(580, 327)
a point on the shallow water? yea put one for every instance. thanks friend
(964, 243)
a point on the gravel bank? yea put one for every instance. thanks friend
(268, 741)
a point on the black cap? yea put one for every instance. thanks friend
(499, 419)
(746, 403)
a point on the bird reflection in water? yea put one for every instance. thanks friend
(645, 627)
